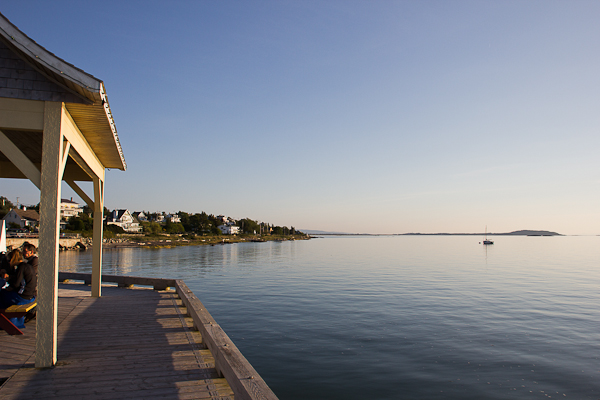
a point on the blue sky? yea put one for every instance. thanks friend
(355, 116)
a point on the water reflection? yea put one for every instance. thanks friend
(186, 260)
(124, 261)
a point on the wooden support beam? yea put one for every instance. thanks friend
(64, 158)
(52, 160)
(80, 193)
(97, 239)
(20, 160)
(83, 165)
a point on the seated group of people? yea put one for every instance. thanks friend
(18, 279)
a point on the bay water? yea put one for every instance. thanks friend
(398, 317)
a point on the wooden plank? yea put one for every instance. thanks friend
(20, 160)
(21, 307)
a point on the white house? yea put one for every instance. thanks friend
(229, 229)
(124, 219)
(29, 218)
(69, 208)
(174, 218)
(223, 219)
(141, 216)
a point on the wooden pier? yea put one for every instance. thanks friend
(132, 342)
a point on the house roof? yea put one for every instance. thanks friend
(89, 109)
(30, 215)
(117, 214)
(68, 201)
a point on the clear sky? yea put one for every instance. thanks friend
(354, 116)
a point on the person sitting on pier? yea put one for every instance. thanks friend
(22, 285)
(31, 258)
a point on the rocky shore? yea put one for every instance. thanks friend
(174, 241)
(125, 241)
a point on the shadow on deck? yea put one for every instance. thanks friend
(130, 343)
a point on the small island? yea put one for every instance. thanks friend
(523, 232)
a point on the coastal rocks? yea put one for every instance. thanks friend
(77, 246)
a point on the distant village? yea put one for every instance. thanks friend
(75, 217)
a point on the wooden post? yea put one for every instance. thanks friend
(51, 177)
(97, 240)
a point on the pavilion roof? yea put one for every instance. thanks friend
(90, 109)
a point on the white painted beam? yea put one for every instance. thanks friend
(52, 158)
(97, 239)
(20, 160)
(64, 158)
(24, 115)
(83, 165)
(80, 193)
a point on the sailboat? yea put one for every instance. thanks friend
(485, 240)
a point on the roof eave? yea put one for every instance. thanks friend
(90, 89)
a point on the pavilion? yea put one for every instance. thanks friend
(55, 125)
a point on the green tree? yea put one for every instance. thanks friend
(113, 228)
(248, 226)
(214, 223)
(152, 228)
(184, 217)
(174, 227)
(191, 223)
(5, 206)
(205, 223)
(80, 223)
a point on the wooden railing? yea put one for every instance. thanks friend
(245, 382)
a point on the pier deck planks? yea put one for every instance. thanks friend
(130, 343)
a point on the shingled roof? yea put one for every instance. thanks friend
(30, 215)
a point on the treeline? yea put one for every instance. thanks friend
(208, 224)
(199, 223)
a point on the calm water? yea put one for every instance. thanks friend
(399, 317)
